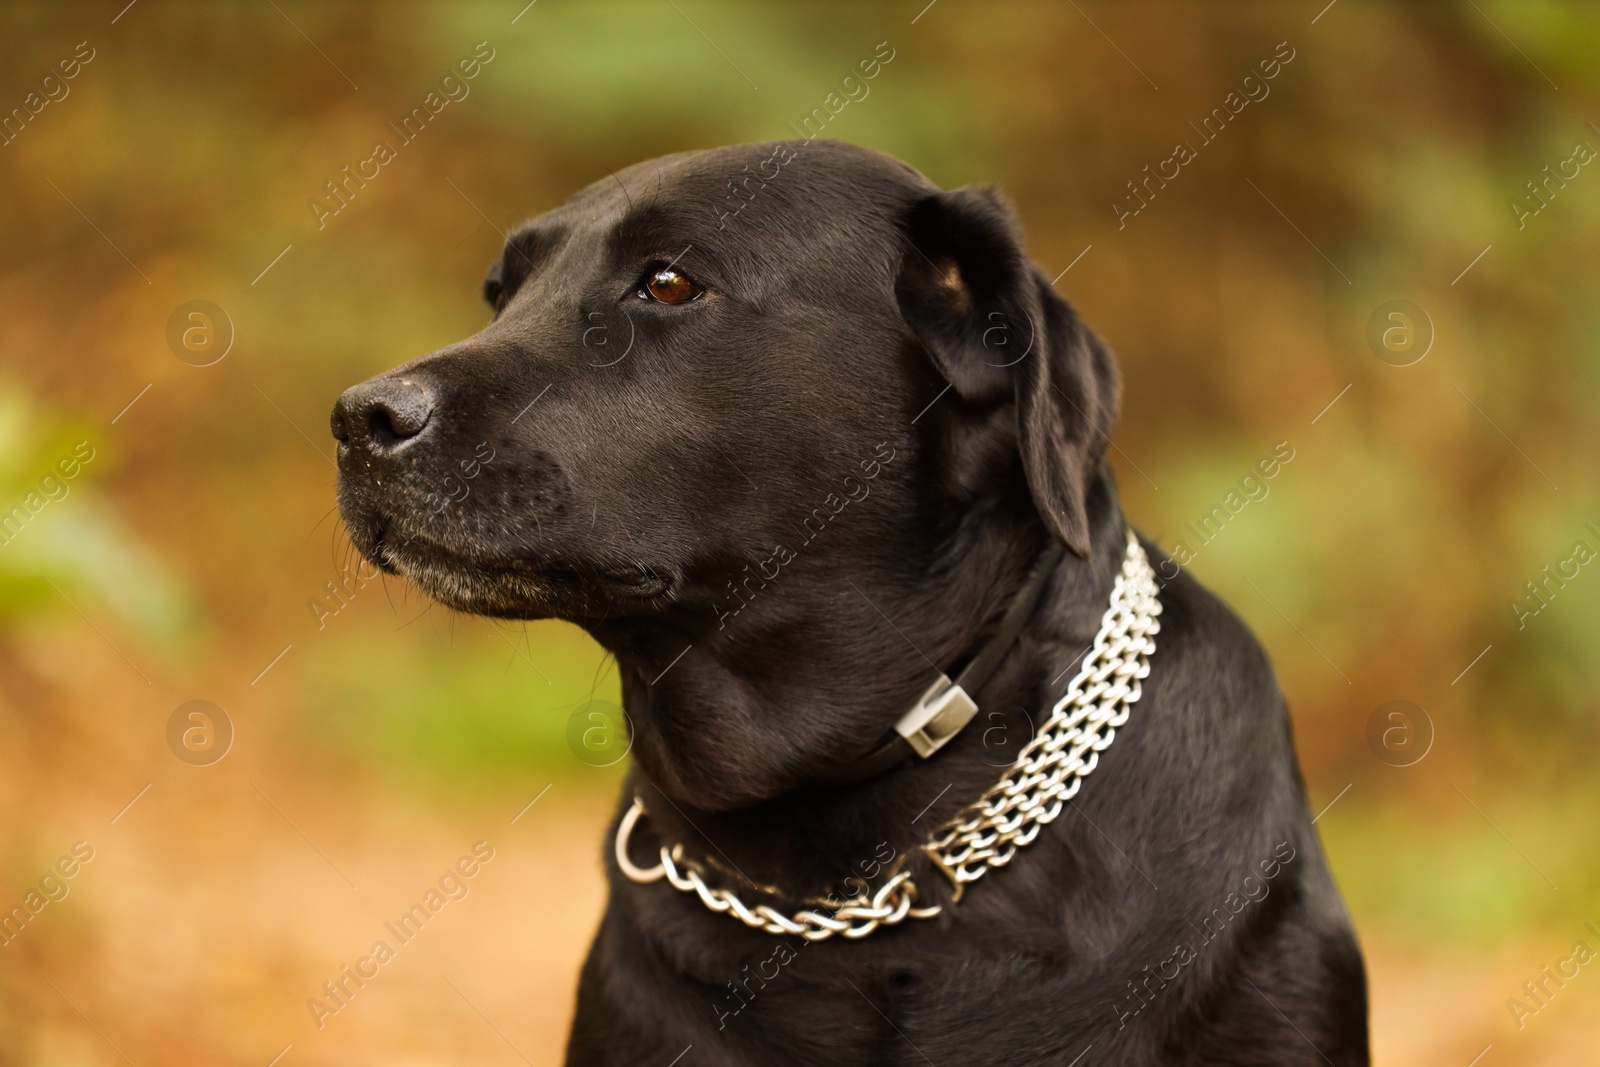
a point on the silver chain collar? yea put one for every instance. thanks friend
(987, 833)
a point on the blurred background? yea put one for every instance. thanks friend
(1420, 569)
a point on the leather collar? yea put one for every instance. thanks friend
(947, 706)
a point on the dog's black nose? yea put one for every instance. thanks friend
(382, 414)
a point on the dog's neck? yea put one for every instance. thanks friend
(729, 728)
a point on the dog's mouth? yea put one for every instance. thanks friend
(522, 585)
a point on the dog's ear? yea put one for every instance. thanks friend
(998, 332)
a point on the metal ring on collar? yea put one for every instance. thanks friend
(635, 873)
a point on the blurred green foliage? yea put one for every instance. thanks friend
(454, 719)
(53, 545)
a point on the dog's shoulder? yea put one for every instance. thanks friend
(1206, 762)
(1208, 661)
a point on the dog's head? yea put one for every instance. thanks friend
(719, 390)
(696, 365)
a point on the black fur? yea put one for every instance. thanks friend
(826, 474)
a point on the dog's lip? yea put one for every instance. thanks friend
(381, 553)
(415, 550)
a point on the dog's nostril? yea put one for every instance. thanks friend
(381, 428)
(400, 415)
(382, 414)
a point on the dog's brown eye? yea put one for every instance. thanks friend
(669, 286)
(499, 300)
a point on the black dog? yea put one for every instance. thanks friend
(787, 428)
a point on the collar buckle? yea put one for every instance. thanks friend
(943, 709)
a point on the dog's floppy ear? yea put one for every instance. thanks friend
(998, 332)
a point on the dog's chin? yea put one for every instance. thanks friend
(512, 587)
(498, 594)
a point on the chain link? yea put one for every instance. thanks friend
(1047, 774)
(1051, 767)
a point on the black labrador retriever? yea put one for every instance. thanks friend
(797, 436)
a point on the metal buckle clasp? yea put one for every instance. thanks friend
(936, 717)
